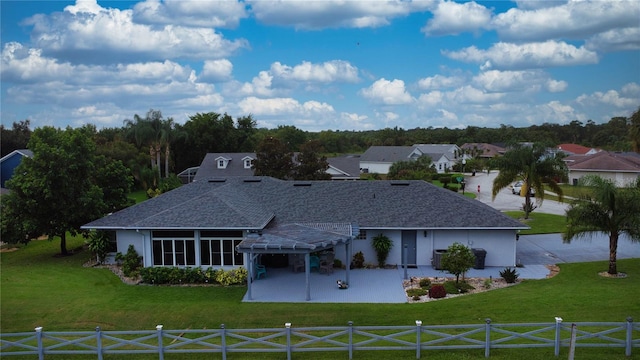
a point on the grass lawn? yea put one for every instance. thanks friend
(540, 223)
(58, 293)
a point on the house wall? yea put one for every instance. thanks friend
(124, 238)
(375, 167)
(620, 178)
(500, 245)
(8, 166)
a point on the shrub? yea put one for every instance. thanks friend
(458, 259)
(487, 283)
(337, 263)
(98, 244)
(460, 287)
(416, 292)
(175, 275)
(358, 260)
(509, 275)
(425, 283)
(382, 244)
(437, 292)
(131, 262)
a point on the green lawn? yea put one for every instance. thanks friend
(39, 288)
(540, 223)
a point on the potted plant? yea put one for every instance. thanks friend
(382, 244)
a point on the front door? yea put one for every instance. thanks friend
(409, 239)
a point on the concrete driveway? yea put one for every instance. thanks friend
(548, 248)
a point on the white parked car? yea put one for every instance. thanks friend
(515, 189)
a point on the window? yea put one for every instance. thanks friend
(248, 163)
(218, 248)
(173, 248)
(222, 164)
(362, 235)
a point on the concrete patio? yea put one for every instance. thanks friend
(535, 252)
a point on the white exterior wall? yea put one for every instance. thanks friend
(124, 238)
(620, 178)
(500, 245)
(376, 167)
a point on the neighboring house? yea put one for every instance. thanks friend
(225, 164)
(622, 168)
(240, 164)
(575, 149)
(378, 159)
(483, 150)
(226, 222)
(9, 162)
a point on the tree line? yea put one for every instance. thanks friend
(153, 147)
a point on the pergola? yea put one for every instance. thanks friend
(297, 238)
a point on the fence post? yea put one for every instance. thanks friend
(627, 350)
(487, 337)
(557, 339)
(223, 341)
(288, 331)
(39, 339)
(418, 341)
(160, 346)
(99, 342)
(350, 339)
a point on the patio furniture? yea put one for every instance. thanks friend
(260, 270)
(298, 265)
(314, 262)
(326, 264)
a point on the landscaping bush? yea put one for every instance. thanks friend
(337, 263)
(358, 260)
(416, 292)
(382, 244)
(460, 287)
(509, 275)
(131, 262)
(437, 292)
(175, 275)
(425, 283)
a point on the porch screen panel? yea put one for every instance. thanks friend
(238, 259)
(157, 253)
(218, 248)
(167, 246)
(180, 260)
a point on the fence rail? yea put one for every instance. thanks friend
(416, 338)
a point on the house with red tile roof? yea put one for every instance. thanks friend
(575, 149)
(622, 168)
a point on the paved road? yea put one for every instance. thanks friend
(549, 248)
(505, 200)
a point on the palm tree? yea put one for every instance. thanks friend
(535, 167)
(147, 131)
(607, 209)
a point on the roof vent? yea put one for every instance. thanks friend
(217, 180)
(252, 180)
(403, 183)
(302, 184)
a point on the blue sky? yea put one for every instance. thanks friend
(321, 65)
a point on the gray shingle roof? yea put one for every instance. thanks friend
(209, 167)
(387, 153)
(253, 202)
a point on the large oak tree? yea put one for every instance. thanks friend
(62, 187)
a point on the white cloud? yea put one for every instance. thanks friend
(571, 20)
(517, 81)
(470, 95)
(333, 13)
(615, 40)
(282, 106)
(525, 56)
(327, 72)
(216, 70)
(556, 86)
(190, 13)
(611, 97)
(86, 33)
(454, 18)
(430, 99)
(440, 82)
(387, 92)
